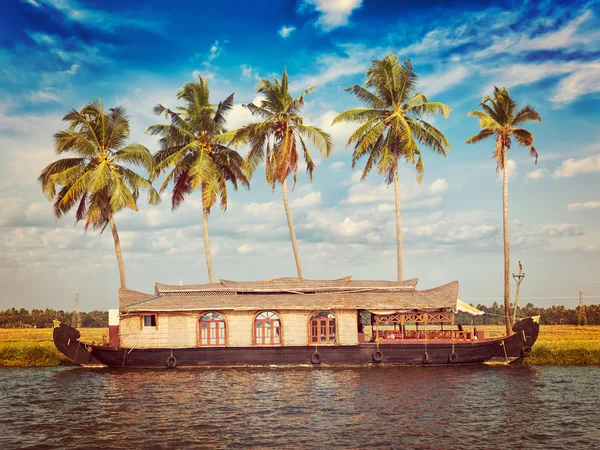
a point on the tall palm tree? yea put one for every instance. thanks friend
(392, 126)
(193, 146)
(501, 120)
(97, 179)
(275, 140)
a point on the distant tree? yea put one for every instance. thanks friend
(501, 119)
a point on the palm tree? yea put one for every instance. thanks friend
(192, 145)
(501, 119)
(96, 179)
(393, 126)
(275, 140)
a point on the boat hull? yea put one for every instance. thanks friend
(409, 352)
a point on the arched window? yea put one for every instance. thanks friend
(322, 328)
(212, 330)
(267, 329)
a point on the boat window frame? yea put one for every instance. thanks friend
(143, 321)
(254, 334)
(328, 325)
(225, 329)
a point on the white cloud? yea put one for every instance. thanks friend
(438, 186)
(248, 72)
(42, 39)
(285, 32)
(244, 249)
(572, 167)
(96, 18)
(536, 174)
(511, 170)
(567, 38)
(334, 13)
(337, 165)
(583, 205)
(443, 79)
(310, 199)
(559, 230)
(335, 66)
(207, 75)
(258, 209)
(44, 97)
(585, 80)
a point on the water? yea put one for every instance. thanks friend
(390, 407)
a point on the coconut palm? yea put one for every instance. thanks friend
(501, 120)
(275, 140)
(97, 179)
(192, 147)
(392, 126)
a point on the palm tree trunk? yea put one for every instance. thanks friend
(506, 244)
(209, 266)
(115, 234)
(291, 227)
(398, 224)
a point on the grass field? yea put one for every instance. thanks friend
(557, 344)
(33, 347)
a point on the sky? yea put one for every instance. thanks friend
(60, 54)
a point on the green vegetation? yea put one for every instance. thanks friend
(43, 318)
(393, 126)
(33, 347)
(501, 120)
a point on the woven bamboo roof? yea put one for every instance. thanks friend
(367, 295)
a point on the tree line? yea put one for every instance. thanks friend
(42, 318)
(197, 152)
(494, 315)
(555, 315)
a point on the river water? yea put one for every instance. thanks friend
(389, 407)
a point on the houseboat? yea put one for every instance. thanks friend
(288, 321)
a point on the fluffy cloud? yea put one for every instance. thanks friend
(44, 97)
(438, 186)
(583, 205)
(559, 230)
(337, 165)
(244, 249)
(310, 199)
(334, 13)
(536, 174)
(572, 167)
(285, 32)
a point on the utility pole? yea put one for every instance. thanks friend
(76, 321)
(581, 315)
(518, 278)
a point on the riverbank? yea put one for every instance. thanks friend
(557, 344)
(33, 347)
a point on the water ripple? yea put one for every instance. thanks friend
(370, 407)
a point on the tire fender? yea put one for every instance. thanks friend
(453, 357)
(315, 358)
(377, 356)
(171, 362)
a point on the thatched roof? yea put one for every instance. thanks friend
(292, 294)
(282, 285)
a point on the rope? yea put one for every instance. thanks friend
(504, 347)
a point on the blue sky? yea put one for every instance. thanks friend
(59, 54)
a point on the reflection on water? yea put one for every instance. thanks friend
(397, 407)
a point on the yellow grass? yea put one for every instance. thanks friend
(557, 344)
(30, 347)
